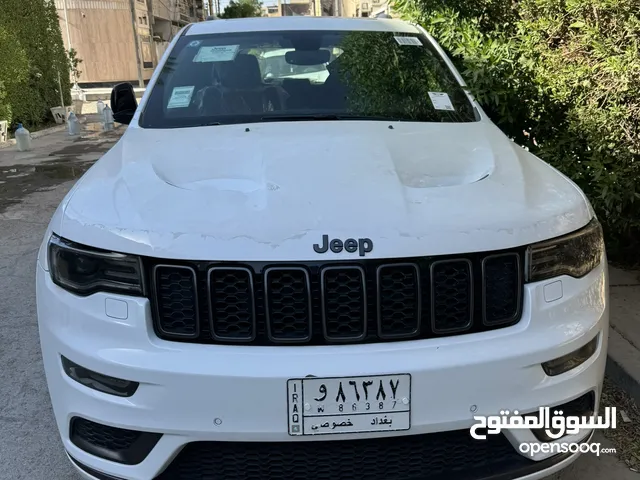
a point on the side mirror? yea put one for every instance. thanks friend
(123, 103)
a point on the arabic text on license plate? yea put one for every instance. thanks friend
(321, 406)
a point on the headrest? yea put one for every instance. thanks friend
(241, 73)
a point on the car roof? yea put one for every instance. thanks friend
(265, 24)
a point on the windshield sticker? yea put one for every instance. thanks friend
(180, 97)
(195, 43)
(413, 41)
(441, 101)
(217, 53)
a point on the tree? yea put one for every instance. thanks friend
(31, 87)
(242, 9)
(13, 70)
(399, 80)
(563, 79)
(74, 63)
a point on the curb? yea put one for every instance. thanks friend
(623, 364)
(55, 129)
(48, 131)
(40, 133)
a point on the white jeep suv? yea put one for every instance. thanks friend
(316, 280)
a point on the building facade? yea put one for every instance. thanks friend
(289, 8)
(328, 8)
(102, 34)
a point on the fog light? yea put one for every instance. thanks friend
(571, 360)
(98, 381)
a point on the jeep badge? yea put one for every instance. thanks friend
(351, 245)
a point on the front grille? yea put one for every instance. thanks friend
(335, 302)
(436, 456)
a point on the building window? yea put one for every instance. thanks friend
(147, 57)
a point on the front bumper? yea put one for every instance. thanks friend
(206, 393)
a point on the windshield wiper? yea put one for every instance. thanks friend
(205, 124)
(320, 116)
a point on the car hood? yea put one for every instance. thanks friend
(270, 191)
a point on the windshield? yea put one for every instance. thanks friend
(296, 75)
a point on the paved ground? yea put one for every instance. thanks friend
(623, 365)
(31, 186)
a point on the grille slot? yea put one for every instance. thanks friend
(399, 308)
(501, 282)
(288, 298)
(176, 301)
(344, 303)
(452, 294)
(317, 303)
(232, 304)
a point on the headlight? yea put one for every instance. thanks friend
(575, 254)
(83, 270)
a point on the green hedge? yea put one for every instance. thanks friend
(32, 54)
(561, 77)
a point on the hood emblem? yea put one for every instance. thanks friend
(351, 245)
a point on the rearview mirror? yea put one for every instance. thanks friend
(307, 57)
(123, 103)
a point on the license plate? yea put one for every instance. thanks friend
(326, 406)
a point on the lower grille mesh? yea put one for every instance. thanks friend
(104, 436)
(439, 456)
(119, 445)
